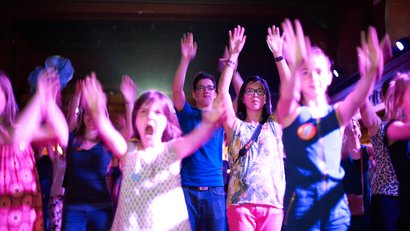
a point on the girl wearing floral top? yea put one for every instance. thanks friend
(257, 184)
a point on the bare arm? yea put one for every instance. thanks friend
(370, 56)
(46, 136)
(372, 160)
(237, 80)
(398, 130)
(95, 100)
(111, 137)
(72, 115)
(236, 42)
(275, 43)
(43, 107)
(129, 92)
(55, 127)
(188, 53)
(57, 124)
(297, 47)
(370, 152)
(28, 122)
(370, 119)
(190, 142)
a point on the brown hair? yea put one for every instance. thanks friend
(394, 98)
(10, 111)
(172, 129)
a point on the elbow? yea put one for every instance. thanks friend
(121, 149)
(115, 143)
(177, 90)
(63, 140)
(64, 136)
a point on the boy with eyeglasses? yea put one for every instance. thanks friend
(201, 173)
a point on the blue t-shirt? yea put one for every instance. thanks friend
(85, 182)
(312, 148)
(204, 166)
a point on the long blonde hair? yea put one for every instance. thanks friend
(394, 96)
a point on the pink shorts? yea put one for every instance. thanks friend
(254, 217)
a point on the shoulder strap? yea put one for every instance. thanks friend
(249, 144)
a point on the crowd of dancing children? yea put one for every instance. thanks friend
(300, 167)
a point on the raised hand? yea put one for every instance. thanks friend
(237, 39)
(223, 59)
(387, 50)
(193, 140)
(47, 88)
(370, 65)
(188, 47)
(96, 102)
(297, 46)
(73, 107)
(54, 126)
(217, 115)
(94, 96)
(120, 122)
(128, 89)
(370, 55)
(275, 41)
(78, 87)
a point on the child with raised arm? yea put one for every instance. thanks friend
(201, 172)
(257, 183)
(397, 138)
(384, 203)
(151, 196)
(87, 199)
(40, 122)
(313, 129)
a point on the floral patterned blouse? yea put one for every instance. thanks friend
(20, 196)
(257, 177)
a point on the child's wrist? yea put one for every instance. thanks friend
(208, 123)
(278, 58)
(230, 63)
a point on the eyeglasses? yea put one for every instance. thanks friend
(203, 88)
(251, 91)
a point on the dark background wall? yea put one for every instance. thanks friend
(141, 38)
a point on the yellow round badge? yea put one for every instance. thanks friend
(306, 131)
